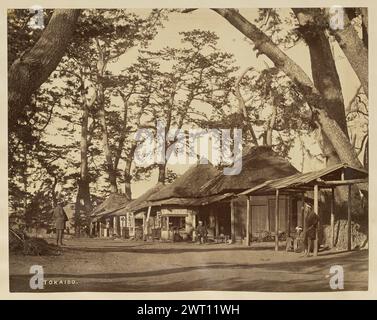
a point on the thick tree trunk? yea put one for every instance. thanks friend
(365, 28)
(83, 199)
(242, 107)
(83, 205)
(366, 155)
(105, 141)
(127, 172)
(33, 68)
(127, 179)
(355, 51)
(264, 45)
(110, 167)
(124, 131)
(325, 75)
(53, 192)
(326, 80)
(162, 173)
(270, 126)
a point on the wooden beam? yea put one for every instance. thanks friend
(289, 208)
(349, 233)
(332, 218)
(146, 222)
(277, 220)
(248, 212)
(343, 182)
(251, 222)
(232, 221)
(303, 212)
(217, 227)
(194, 226)
(316, 211)
(133, 224)
(269, 215)
(167, 227)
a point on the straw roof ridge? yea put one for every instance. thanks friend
(259, 164)
(188, 184)
(112, 202)
(142, 201)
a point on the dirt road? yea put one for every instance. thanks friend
(127, 266)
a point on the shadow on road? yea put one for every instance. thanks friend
(154, 280)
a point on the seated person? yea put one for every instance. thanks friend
(293, 242)
(221, 236)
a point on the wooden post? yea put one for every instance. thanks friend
(289, 216)
(146, 222)
(349, 235)
(232, 222)
(168, 227)
(133, 223)
(194, 227)
(269, 214)
(121, 229)
(248, 221)
(217, 227)
(277, 220)
(332, 218)
(303, 212)
(115, 225)
(315, 250)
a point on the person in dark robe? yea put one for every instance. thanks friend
(59, 217)
(310, 234)
(202, 232)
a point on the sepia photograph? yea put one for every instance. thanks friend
(188, 149)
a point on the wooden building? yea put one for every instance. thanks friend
(265, 199)
(103, 224)
(258, 165)
(205, 193)
(328, 178)
(132, 216)
(171, 212)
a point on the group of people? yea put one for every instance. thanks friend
(202, 233)
(306, 236)
(310, 233)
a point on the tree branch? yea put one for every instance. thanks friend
(265, 46)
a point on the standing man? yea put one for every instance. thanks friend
(59, 217)
(311, 223)
(201, 232)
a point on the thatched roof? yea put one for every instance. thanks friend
(113, 202)
(187, 185)
(142, 201)
(258, 165)
(306, 181)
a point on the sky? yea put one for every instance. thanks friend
(232, 41)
